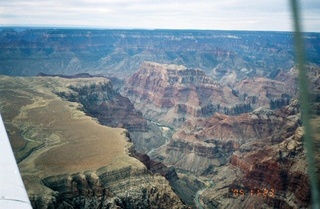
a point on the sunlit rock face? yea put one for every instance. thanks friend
(172, 93)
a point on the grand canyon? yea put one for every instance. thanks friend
(159, 118)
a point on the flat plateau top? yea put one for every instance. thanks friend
(51, 136)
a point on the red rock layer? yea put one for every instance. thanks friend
(172, 91)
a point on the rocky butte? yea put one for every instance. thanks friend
(170, 94)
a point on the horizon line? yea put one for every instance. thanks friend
(136, 28)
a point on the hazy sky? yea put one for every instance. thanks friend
(169, 14)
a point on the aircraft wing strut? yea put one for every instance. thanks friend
(13, 194)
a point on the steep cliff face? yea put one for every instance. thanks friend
(290, 79)
(101, 101)
(261, 171)
(170, 93)
(212, 141)
(280, 168)
(68, 160)
(127, 187)
(264, 92)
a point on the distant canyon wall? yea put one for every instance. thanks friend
(221, 54)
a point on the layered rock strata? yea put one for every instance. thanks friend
(264, 92)
(67, 159)
(170, 94)
(254, 160)
(101, 101)
(270, 176)
(28, 51)
(211, 142)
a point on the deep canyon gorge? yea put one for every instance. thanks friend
(158, 119)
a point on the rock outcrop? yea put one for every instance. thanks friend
(156, 167)
(263, 167)
(212, 141)
(278, 168)
(127, 187)
(100, 101)
(170, 94)
(264, 92)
